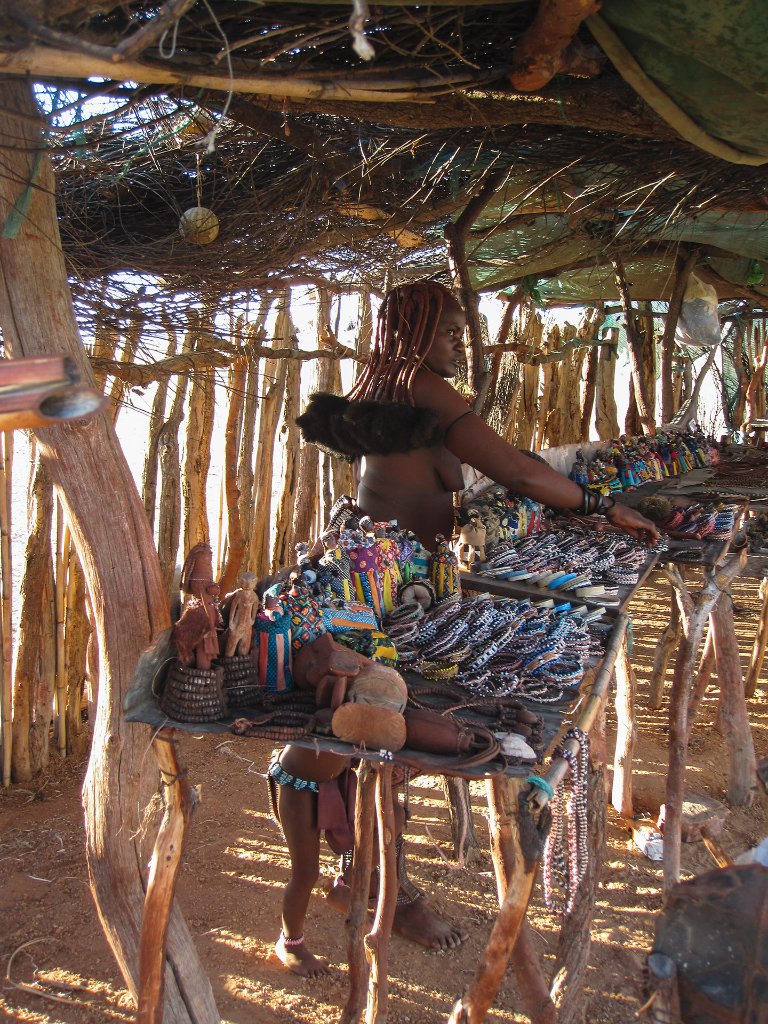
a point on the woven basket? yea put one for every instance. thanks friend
(193, 694)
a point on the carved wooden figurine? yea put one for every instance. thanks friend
(243, 606)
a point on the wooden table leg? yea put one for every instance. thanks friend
(377, 943)
(621, 796)
(742, 764)
(694, 612)
(180, 800)
(476, 1001)
(534, 989)
(360, 883)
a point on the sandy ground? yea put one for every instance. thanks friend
(235, 865)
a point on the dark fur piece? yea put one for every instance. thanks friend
(352, 429)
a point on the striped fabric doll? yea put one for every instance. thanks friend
(272, 644)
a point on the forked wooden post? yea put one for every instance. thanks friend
(360, 884)
(377, 943)
(476, 1001)
(621, 796)
(180, 800)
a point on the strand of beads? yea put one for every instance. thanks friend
(557, 872)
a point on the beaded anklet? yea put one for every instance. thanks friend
(291, 943)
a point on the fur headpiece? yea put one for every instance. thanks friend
(350, 429)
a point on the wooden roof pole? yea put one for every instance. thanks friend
(456, 237)
(114, 545)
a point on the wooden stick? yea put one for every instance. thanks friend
(734, 717)
(476, 1001)
(6, 568)
(360, 881)
(761, 641)
(593, 705)
(180, 800)
(377, 943)
(534, 990)
(626, 684)
(47, 62)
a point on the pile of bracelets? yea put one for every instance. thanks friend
(584, 562)
(496, 646)
(703, 521)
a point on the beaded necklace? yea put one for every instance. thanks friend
(557, 871)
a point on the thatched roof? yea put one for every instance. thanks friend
(320, 163)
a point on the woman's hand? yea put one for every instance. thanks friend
(631, 522)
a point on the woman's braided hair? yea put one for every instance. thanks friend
(405, 331)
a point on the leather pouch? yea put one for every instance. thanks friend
(433, 733)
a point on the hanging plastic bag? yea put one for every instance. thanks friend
(699, 322)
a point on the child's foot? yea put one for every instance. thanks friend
(418, 923)
(299, 960)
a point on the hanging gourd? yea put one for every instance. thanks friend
(199, 225)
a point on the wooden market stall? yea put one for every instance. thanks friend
(178, 168)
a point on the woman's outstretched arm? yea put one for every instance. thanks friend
(474, 442)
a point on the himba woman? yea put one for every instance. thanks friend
(409, 431)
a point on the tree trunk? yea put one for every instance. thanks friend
(606, 417)
(255, 332)
(198, 456)
(169, 515)
(114, 544)
(588, 400)
(282, 555)
(329, 379)
(644, 395)
(365, 328)
(78, 630)
(668, 338)
(235, 535)
(273, 390)
(35, 662)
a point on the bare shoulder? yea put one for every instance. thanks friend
(430, 391)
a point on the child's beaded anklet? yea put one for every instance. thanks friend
(292, 943)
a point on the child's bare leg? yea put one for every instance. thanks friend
(297, 810)
(414, 918)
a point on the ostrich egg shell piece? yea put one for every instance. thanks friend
(198, 225)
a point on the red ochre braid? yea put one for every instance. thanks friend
(405, 331)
